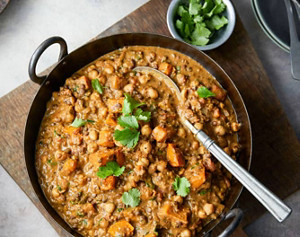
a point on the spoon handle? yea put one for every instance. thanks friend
(275, 206)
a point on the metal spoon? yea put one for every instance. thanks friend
(274, 205)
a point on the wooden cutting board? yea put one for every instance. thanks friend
(276, 150)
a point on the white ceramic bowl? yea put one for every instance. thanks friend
(220, 36)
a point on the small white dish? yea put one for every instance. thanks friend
(220, 36)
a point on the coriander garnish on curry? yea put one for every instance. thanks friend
(124, 164)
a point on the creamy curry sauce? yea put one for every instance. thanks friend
(68, 157)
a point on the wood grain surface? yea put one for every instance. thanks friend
(276, 150)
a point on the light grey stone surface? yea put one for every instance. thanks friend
(23, 26)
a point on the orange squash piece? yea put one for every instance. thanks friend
(159, 133)
(71, 130)
(108, 184)
(120, 158)
(174, 156)
(100, 158)
(115, 105)
(121, 228)
(196, 176)
(105, 139)
(110, 121)
(166, 211)
(166, 68)
(220, 93)
(69, 166)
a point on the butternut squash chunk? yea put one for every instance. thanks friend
(121, 228)
(115, 105)
(166, 68)
(159, 133)
(108, 184)
(106, 139)
(174, 156)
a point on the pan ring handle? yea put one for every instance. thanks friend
(237, 215)
(39, 51)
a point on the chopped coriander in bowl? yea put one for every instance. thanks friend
(205, 24)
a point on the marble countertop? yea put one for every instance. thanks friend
(25, 24)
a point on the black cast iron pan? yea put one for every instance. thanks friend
(70, 63)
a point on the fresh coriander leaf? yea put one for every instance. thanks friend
(207, 6)
(194, 7)
(80, 214)
(198, 19)
(97, 86)
(180, 26)
(219, 8)
(200, 35)
(128, 121)
(84, 222)
(130, 104)
(187, 19)
(142, 115)
(127, 137)
(78, 122)
(178, 68)
(203, 92)
(58, 188)
(181, 10)
(181, 186)
(131, 198)
(203, 191)
(120, 209)
(111, 168)
(216, 22)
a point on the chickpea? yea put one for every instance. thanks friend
(186, 233)
(93, 74)
(202, 150)
(143, 79)
(92, 147)
(216, 113)
(102, 112)
(55, 193)
(146, 130)
(178, 199)
(152, 93)
(108, 207)
(109, 69)
(146, 147)
(180, 78)
(143, 162)
(93, 135)
(202, 214)
(208, 208)
(161, 166)
(195, 145)
(235, 126)
(128, 88)
(227, 150)
(181, 132)
(220, 130)
(235, 147)
(102, 80)
(198, 126)
(152, 169)
(103, 223)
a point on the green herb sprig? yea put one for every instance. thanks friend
(78, 122)
(129, 136)
(198, 21)
(181, 186)
(111, 168)
(131, 198)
